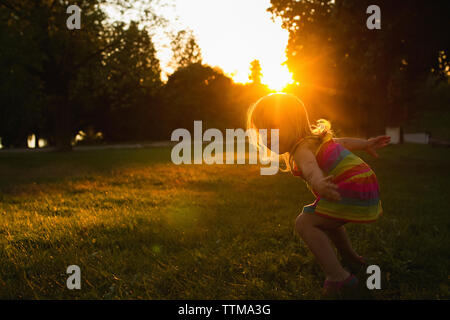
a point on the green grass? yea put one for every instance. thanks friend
(140, 227)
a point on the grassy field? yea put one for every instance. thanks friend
(140, 227)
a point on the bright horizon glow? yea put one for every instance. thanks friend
(231, 34)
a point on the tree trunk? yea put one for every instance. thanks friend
(63, 132)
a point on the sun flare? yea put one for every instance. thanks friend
(233, 33)
(276, 78)
(230, 44)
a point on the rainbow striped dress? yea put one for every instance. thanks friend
(357, 185)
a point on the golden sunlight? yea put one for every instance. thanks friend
(232, 33)
(277, 77)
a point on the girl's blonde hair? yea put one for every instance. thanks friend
(288, 114)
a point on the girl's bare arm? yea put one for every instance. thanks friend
(306, 161)
(370, 145)
(352, 143)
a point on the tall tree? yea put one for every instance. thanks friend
(21, 101)
(70, 64)
(198, 92)
(255, 72)
(185, 50)
(129, 80)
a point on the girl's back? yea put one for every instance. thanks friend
(357, 184)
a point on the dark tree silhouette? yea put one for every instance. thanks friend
(371, 73)
(68, 70)
(255, 72)
(185, 50)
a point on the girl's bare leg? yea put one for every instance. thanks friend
(340, 239)
(312, 229)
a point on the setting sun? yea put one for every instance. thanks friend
(277, 77)
(233, 33)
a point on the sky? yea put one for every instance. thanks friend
(231, 34)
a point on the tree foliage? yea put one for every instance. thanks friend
(70, 71)
(373, 73)
(255, 72)
(185, 49)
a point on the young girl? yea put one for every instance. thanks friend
(345, 186)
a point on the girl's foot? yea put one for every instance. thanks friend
(336, 287)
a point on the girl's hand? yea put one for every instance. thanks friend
(326, 189)
(377, 143)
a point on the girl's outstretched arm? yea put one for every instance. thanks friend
(369, 145)
(306, 161)
(352, 143)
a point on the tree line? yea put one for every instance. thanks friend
(105, 79)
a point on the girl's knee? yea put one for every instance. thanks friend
(307, 221)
